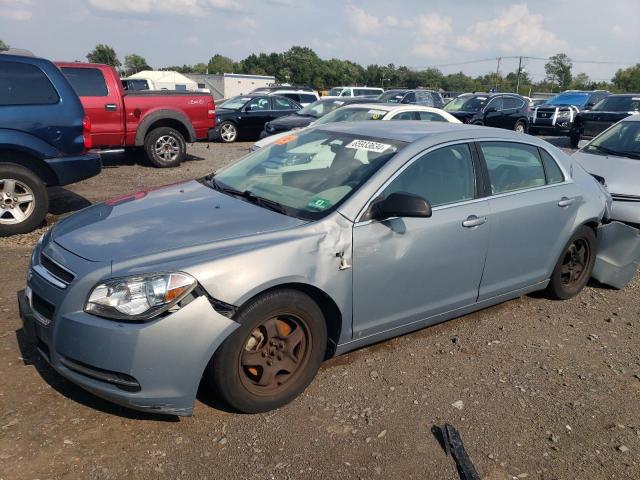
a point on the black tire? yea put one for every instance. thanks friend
(572, 273)
(574, 138)
(520, 126)
(17, 215)
(165, 147)
(236, 378)
(228, 132)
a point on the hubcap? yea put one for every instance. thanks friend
(228, 133)
(575, 261)
(274, 353)
(17, 201)
(519, 128)
(167, 148)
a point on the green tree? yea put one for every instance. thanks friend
(628, 79)
(135, 63)
(558, 70)
(3, 46)
(104, 54)
(221, 64)
(581, 82)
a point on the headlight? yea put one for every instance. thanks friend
(139, 298)
(564, 114)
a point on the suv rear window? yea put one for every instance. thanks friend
(24, 84)
(87, 82)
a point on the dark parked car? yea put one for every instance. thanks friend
(501, 110)
(556, 116)
(246, 115)
(44, 136)
(310, 113)
(612, 109)
(428, 98)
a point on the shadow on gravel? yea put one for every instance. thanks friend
(71, 391)
(137, 157)
(63, 201)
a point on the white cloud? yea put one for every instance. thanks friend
(17, 10)
(181, 7)
(248, 22)
(363, 22)
(432, 32)
(516, 31)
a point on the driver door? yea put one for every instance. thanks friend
(495, 118)
(409, 269)
(256, 113)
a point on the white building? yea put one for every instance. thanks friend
(166, 80)
(230, 84)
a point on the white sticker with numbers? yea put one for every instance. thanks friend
(369, 146)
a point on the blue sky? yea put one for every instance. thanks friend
(412, 32)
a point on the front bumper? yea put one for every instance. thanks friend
(69, 170)
(154, 366)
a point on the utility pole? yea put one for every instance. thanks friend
(498, 72)
(519, 72)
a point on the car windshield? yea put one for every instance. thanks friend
(392, 97)
(352, 114)
(466, 104)
(320, 108)
(622, 140)
(564, 99)
(335, 91)
(306, 175)
(618, 104)
(234, 103)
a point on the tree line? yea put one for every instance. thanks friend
(301, 65)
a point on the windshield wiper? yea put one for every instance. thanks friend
(248, 195)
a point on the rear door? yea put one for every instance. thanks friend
(282, 106)
(103, 107)
(533, 205)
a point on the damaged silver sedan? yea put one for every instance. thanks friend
(326, 241)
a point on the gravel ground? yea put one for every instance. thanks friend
(537, 388)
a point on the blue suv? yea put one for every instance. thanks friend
(44, 139)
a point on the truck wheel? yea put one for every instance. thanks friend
(228, 132)
(23, 200)
(165, 147)
(574, 267)
(274, 354)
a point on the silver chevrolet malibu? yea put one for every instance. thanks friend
(326, 241)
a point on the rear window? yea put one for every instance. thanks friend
(87, 82)
(306, 98)
(24, 84)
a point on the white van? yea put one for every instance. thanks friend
(355, 92)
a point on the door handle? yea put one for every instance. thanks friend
(474, 221)
(111, 107)
(565, 202)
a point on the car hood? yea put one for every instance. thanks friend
(621, 174)
(603, 115)
(291, 121)
(164, 219)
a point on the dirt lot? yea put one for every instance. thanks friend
(537, 388)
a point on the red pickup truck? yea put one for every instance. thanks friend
(161, 122)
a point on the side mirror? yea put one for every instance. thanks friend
(247, 108)
(491, 110)
(401, 205)
(589, 106)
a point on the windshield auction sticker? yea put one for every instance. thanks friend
(369, 146)
(284, 140)
(319, 203)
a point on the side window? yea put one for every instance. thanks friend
(307, 98)
(512, 166)
(24, 84)
(404, 116)
(496, 103)
(282, 104)
(424, 98)
(409, 98)
(346, 92)
(87, 82)
(511, 103)
(258, 104)
(430, 116)
(443, 176)
(554, 174)
(293, 96)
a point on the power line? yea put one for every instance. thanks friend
(517, 57)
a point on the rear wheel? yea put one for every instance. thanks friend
(23, 200)
(274, 354)
(165, 147)
(520, 127)
(574, 267)
(228, 132)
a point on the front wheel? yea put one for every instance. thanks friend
(574, 138)
(520, 127)
(574, 267)
(165, 147)
(274, 354)
(228, 132)
(23, 200)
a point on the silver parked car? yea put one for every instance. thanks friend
(614, 155)
(344, 235)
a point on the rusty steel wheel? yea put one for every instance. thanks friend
(573, 268)
(273, 355)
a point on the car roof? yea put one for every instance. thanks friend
(392, 107)
(413, 130)
(632, 118)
